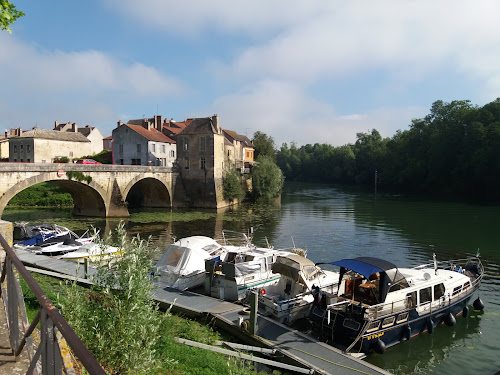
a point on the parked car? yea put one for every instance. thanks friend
(87, 161)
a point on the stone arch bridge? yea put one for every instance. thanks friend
(108, 193)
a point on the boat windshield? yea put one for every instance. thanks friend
(173, 257)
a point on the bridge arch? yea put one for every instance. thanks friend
(147, 191)
(88, 199)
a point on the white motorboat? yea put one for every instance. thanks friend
(379, 305)
(240, 270)
(291, 297)
(182, 266)
(92, 251)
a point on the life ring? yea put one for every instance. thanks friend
(262, 292)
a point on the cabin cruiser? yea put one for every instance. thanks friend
(379, 305)
(240, 270)
(291, 297)
(182, 266)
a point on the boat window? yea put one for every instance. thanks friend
(457, 290)
(388, 321)
(373, 326)
(403, 317)
(411, 300)
(425, 295)
(173, 257)
(466, 285)
(351, 324)
(438, 291)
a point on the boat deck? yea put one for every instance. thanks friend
(298, 348)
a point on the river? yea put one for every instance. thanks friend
(331, 224)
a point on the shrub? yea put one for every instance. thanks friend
(267, 179)
(117, 319)
(231, 182)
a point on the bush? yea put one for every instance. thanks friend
(62, 159)
(267, 179)
(231, 182)
(117, 319)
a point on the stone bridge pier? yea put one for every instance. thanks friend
(97, 190)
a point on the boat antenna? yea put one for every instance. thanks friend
(435, 263)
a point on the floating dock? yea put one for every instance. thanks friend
(296, 348)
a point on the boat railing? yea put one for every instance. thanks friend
(46, 356)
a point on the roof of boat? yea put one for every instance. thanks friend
(365, 266)
(196, 242)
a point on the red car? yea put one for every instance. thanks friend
(87, 161)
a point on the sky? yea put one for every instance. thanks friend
(306, 72)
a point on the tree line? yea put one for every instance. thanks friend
(453, 152)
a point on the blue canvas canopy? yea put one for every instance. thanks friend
(365, 266)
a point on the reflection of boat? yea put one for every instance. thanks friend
(379, 305)
(182, 266)
(92, 251)
(239, 270)
(290, 298)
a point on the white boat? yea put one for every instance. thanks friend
(379, 305)
(240, 270)
(93, 252)
(291, 297)
(27, 235)
(182, 266)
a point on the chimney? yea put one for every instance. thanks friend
(56, 124)
(74, 127)
(120, 123)
(215, 122)
(6, 133)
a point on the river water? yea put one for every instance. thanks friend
(331, 224)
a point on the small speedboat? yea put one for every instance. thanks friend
(291, 298)
(182, 266)
(379, 305)
(55, 248)
(26, 234)
(92, 251)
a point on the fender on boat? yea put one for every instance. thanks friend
(379, 346)
(450, 320)
(408, 332)
(478, 304)
(430, 326)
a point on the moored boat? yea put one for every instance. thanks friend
(379, 305)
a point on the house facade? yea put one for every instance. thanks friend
(45, 146)
(139, 145)
(239, 151)
(90, 132)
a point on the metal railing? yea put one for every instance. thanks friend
(45, 356)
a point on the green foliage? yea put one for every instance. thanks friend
(78, 176)
(454, 152)
(46, 194)
(8, 14)
(117, 319)
(231, 182)
(267, 179)
(62, 159)
(264, 145)
(102, 157)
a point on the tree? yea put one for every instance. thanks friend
(8, 14)
(231, 183)
(264, 145)
(267, 179)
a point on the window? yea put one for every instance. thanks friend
(456, 290)
(203, 144)
(136, 161)
(411, 300)
(120, 148)
(403, 317)
(15, 149)
(172, 153)
(28, 148)
(203, 163)
(139, 147)
(466, 285)
(28, 160)
(425, 295)
(186, 163)
(248, 154)
(153, 147)
(22, 148)
(388, 321)
(438, 291)
(185, 144)
(71, 154)
(163, 148)
(373, 326)
(121, 161)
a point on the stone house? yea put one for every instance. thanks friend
(239, 151)
(200, 157)
(44, 146)
(142, 144)
(92, 133)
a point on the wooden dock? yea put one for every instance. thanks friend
(296, 348)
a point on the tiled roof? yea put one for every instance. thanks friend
(202, 125)
(86, 130)
(54, 135)
(151, 135)
(108, 138)
(242, 138)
